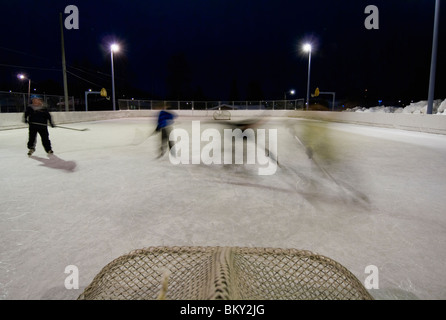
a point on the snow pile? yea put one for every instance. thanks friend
(381, 109)
(442, 108)
(439, 107)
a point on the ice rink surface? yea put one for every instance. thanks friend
(367, 196)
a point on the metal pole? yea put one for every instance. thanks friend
(430, 103)
(334, 98)
(29, 91)
(308, 80)
(113, 82)
(333, 101)
(64, 68)
(86, 97)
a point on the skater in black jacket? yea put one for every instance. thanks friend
(38, 117)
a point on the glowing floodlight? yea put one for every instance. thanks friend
(307, 47)
(114, 47)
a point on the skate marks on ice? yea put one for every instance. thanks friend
(318, 189)
(232, 175)
(314, 179)
(309, 184)
(301, 173)
(54, 162)
(141, 135)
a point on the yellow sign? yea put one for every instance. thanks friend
(316, 93)
(103, 92)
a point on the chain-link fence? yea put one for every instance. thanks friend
(17, 102)
(133, 104)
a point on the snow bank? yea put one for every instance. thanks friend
(439, 107)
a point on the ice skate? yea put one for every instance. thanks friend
(30, 152)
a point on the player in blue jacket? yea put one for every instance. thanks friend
(164, 125)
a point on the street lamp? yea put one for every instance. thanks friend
(23, 77)
(430, 100)
(113, 48)
(307, 48)
(291, 92)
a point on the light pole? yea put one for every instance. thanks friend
(113, 48)
(285, 101)
(430, 102)
(307, 48)
(22, 77)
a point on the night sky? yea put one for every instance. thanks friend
(225, 49)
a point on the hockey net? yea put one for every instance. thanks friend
(221, 115)
(224, 273)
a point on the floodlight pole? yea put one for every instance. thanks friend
(86, 97)
(308, 80)
(22, 77)
(334, 98)
(430, 102)
(113, 82)
(29, 91)
(64, 67)
(284, 95)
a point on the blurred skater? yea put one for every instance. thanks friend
(38, 117)
(316, 139)
(164, 125)
(249, 124)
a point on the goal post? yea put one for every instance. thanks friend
(222, 115)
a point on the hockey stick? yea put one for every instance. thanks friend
(41, 124)
(309, 152)
(140, 136)
(342, 186)
(85, 129)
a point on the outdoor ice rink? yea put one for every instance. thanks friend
(369, 196)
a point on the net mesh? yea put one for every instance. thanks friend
(224, 273)
(222, 115)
